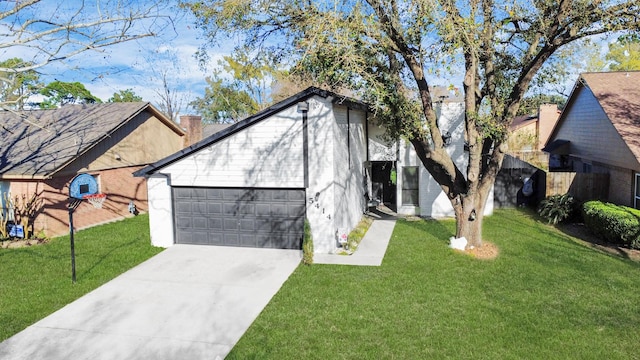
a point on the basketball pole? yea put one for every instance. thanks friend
(73, 204)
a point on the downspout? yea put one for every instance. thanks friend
(303, 107)
(366, 134)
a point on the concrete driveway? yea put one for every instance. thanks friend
(188, 302)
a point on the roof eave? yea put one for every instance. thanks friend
(290, 101)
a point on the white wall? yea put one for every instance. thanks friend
(160, 211)
(433, 201)
(266, 154)
(349, 156)
(321, 213)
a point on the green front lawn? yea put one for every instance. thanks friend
(545, 297)
(36, 281)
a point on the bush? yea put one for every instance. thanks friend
(307, 244)
(613, 223)
(557, 208)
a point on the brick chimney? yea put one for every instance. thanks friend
(193, 126)
(548, 115)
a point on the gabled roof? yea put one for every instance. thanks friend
(618, 93)
(522, 120)
(239, 126)
(38, 143)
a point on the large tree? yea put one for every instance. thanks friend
(624, 54)
(387, 49)
(15, 87)
(59, 93)
(127, 95)
(239, 86)
(223, 102)
(52, 31)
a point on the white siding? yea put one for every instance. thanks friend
(433, 201)
(349, 156)
(160, 211)
(379, 148)
(320, 212)
(266, 154)
(591, 133)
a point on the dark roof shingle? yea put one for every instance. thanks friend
(619, 95)
(37, 143)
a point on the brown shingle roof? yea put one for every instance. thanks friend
(37, 143)
(619, 95)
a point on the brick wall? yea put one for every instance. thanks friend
(53, 219)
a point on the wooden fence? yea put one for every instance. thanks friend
(583, 186)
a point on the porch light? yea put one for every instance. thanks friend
(303, 106)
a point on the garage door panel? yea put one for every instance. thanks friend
(214, 194)
(279, 210)
(270, 218)
(231, 239)
(215, 224)
(200, 223)
(230, 224)
(214, 208)
(247, 224)
(296, 210)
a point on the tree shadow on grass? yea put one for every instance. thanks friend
(578, 232)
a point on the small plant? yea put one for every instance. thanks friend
(557, 208)
(307, 244)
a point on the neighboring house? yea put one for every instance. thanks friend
(196, 130)
(529, 134)
(42, 150)
(315, 155)
(599, 132)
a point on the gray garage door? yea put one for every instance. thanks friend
(265, 218)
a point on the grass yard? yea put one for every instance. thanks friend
(545, 297)
(36, 281)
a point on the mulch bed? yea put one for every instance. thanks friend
(13, 244)
(582, 233)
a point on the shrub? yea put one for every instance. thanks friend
(307, 244)
(557, 208)
(613, 223)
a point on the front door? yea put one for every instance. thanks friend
(383, 183)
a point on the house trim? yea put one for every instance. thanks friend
(239, 126)
(636, 191)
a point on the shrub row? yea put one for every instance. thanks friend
(613, 223)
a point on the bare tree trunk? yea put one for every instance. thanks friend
(469, 211)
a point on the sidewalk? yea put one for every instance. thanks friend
(372, 248)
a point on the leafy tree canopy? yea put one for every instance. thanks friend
(47, 32)
(238, 88)
(531, 104)
(624, 54)
(223, 102)
(127, 95)
(15, 87)
(59, 93)
(388, 52)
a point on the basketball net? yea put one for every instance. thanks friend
(96, 200)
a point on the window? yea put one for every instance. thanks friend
(410, 194)
(636, 200)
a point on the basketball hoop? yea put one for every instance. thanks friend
(96, 199)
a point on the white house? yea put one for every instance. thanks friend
(316, 154)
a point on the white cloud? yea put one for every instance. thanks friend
(137, 65)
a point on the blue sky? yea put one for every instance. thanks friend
(140, 64)
(137, 65)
